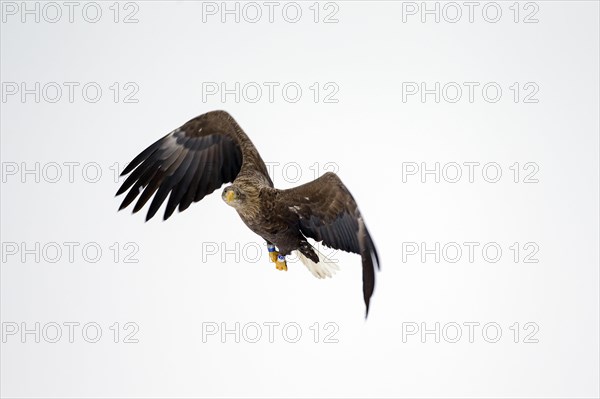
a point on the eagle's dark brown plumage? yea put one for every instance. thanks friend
(210, 150)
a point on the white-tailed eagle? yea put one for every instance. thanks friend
(210, 150)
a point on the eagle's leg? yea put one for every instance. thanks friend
(275, 257)
(280, 263)
(272, 252)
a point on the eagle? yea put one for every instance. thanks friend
(210, 150)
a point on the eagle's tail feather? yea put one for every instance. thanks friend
(324, 268)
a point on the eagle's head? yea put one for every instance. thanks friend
(233, 196)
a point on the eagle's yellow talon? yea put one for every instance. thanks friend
(273, 256)
(281, 266)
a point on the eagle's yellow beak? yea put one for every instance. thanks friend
(229, 196)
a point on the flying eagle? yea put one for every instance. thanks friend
(212, 149)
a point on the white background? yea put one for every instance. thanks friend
(170, 54)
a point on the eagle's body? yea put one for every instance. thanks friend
(211, 149)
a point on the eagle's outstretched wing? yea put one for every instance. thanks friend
(190, 163)
(327, 212)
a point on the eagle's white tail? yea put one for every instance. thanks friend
(325, 268)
